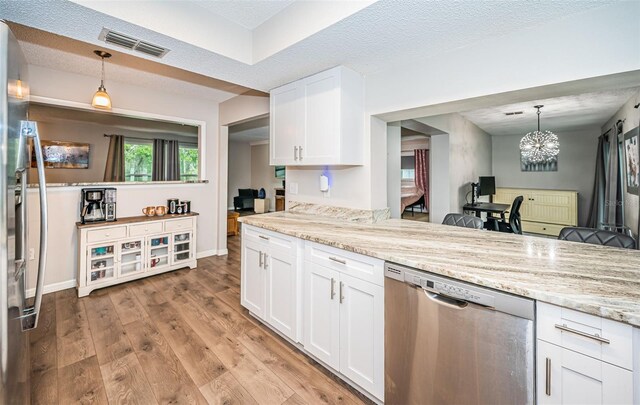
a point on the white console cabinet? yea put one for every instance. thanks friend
(116, 252)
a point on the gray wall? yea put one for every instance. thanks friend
(239, 169)
(469, 156)
(263, 175)
(576, 166)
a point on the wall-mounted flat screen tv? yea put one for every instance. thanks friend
(280, 170)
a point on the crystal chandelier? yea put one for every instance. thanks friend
(539, 146)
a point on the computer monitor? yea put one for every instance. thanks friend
(487, 185)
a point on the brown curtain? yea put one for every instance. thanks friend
(157, 170)
(422, 173)
(172, 160)
(114, 169)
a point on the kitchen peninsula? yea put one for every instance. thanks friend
(573, 285)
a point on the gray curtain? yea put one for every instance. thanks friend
(596, 212)
(607, 203)
(114, 169)
(173, 160)
(157, 171)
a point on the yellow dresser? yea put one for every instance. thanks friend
(543, 211)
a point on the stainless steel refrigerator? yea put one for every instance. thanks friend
(17, 314)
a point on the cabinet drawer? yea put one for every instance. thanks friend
(286, 244)
(145, 229)
(567, 328)
(104, 234)
(356, 265)
(178, 224)
(542, 228)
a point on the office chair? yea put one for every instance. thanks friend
(515, 222)
(597, 237)
(464, 221)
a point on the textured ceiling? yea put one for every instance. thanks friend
(248, 14)
(558, 114)
(61, 53)
(388, 33)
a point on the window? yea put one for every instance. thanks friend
(408, 167)
(188, 161)
(138, 159)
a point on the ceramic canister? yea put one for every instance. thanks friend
(172, 205)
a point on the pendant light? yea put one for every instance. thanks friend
(101, 99)
(539, 146)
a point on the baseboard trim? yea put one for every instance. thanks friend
(49, 288)
(206, 253)
(223, 252)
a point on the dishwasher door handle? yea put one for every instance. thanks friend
(446, 301)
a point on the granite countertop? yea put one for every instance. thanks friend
(598, 280)
(133, 220)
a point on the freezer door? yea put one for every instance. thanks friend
(443, 351)
(14, 344)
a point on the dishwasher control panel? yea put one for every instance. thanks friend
(441, 285)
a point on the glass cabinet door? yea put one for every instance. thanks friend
(101, 263)
(131, 257)
(182, 247)
(158, 252)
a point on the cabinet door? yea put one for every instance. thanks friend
(286, 123)
(101, 263)
(282, 304)
(322, 314)
(182, 247)
(322, 125)
(567, 377)
(362, 333)
(158, 252)
(130, 257)
(253, 276)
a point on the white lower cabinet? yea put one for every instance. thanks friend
(583, 359)
(321, 328)
(567, 377)
(269, 282)
(344, 321)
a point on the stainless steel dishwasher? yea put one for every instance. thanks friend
(450, 342)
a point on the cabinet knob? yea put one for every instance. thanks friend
(107, 235)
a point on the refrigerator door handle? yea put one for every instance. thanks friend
(29, 129)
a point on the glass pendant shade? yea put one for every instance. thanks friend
(539, 146)
(101, 99)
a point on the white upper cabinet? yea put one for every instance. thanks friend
(318, 120)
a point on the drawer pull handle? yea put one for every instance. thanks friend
(263, 237)
(335, 259)
(583, 334)
(107, 235)
(547, 388)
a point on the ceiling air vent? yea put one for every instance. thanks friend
(514, 113)
(135, 44)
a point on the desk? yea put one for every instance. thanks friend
(491, 208)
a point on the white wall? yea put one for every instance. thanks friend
(631, 116)
(469, 156)
(64, 202)
(394, 180)
(556, 52)
(576, 166)
(239, 169)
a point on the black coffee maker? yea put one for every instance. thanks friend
(98, 204)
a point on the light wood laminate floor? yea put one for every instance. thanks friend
(180, 337)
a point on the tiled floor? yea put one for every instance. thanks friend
(180, 337)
